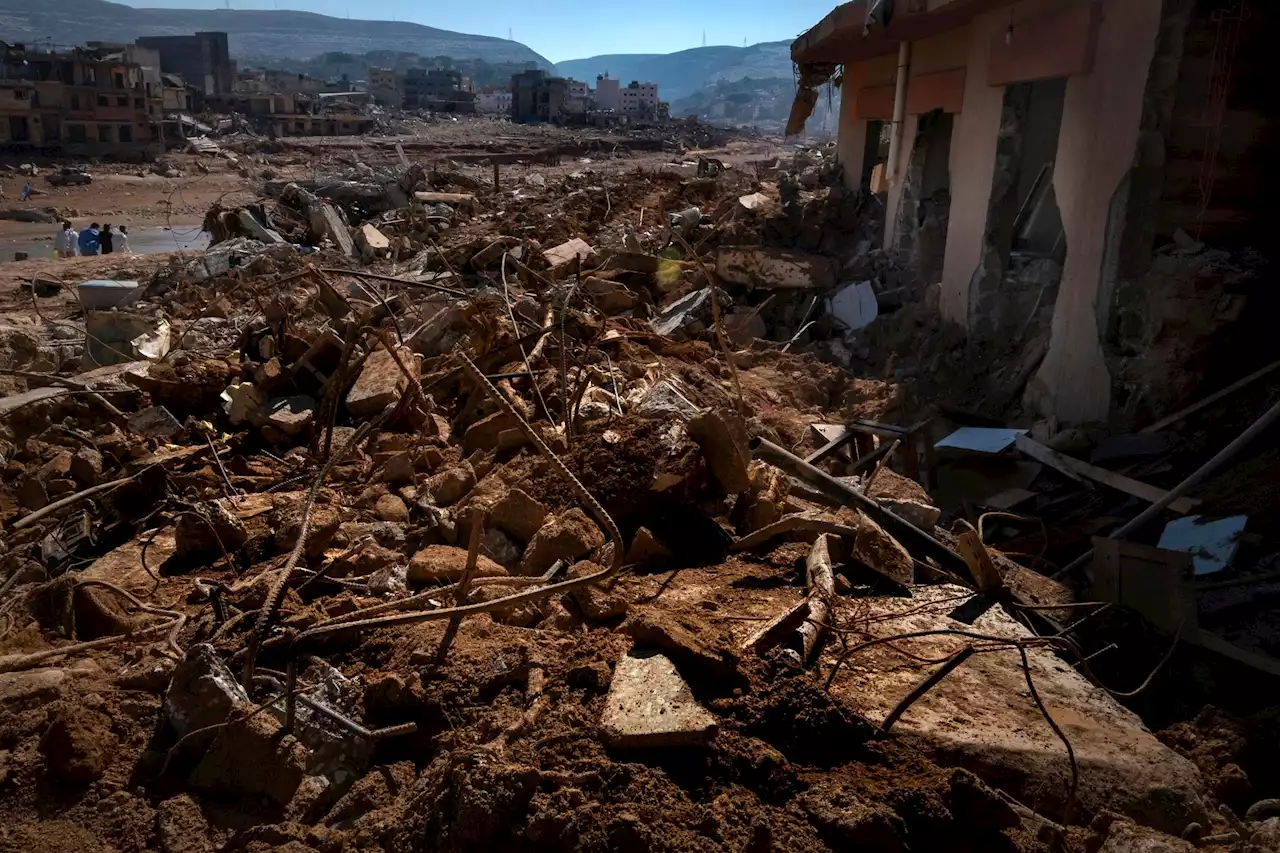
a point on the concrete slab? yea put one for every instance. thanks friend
(981, 716)
(560, 258)
(380, 384)
(774, 269)
(99, 295)
(649, 705)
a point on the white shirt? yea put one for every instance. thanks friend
(121, 242)
(66, 241)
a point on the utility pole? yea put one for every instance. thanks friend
(704, 38)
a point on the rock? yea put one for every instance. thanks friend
(611, 297)
(561, 258)
(848, 822)
(449, 487)
(182, 826)
(877, 549)
(519, 615)
(567, 536)
(286, 522)
(596, 603)
(380, 383)
(436, 564)
(688, 316)
(56, 468)
(743, 325)
(645, 548)
(499, 547)
(666, 399)
(1128, 837)
(922, 515)
(722, 436)
(398, 468)
(203, 691)
(689, 641)
(649, 705)
(971, 801)
(276, 770)
(483, 434)
(241, 400)
(78, 745)
(209, 530)
(1266, 835)
(32, 688)
(373, 243)
(391, 508)
(86, 466)
(774, 269)
(290, 415)
(518, 515)
(763, 504)
(310, 800)
(254, 229)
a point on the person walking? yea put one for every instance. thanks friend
(26, 190)
(89, 240)
(66, 241)
(107, 239)
(122, 240)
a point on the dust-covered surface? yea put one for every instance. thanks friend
(187, 535)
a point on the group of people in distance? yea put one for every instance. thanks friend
(91, 240)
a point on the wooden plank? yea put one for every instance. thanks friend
(1155, 582)
(1211, 399)
(1079, 470)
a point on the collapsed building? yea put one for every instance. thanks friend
(1053, 168)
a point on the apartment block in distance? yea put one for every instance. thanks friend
(203, 60)
(639, 99)
(99, 100)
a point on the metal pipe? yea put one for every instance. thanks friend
(899, 110)
(915, 540)
(1206, 470)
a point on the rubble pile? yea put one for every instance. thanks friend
(415, 515)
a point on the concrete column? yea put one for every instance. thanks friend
(1097, 150)
(851, 139)
(909, 126)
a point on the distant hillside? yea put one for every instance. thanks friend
(250, 33)
(679, 75)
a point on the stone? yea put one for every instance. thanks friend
(977, 805)
(449, 487)
(391, 508)
(373, 244)
(980, 716)
(611, 297)
(688, 316)
(518, 515)
(1127, 837)
(251, 227)
(240, 400)
(101, 295)
(561, 258)
(722, 436)
(922, 515)
(78, 746)
(645, 548)
(666, 398)
(1266, 835)
(398, 468)
(876, 548)
(326, 222)
(209, 530)
(774, 269)
(380, 383)
(32, 688)
(848, 822)
(690, 641)
(250, 758)
(567, 536)
(596, 603)
(86, 466)
(56, 468)
(744, 325)
(203, 691)
(290, 415)
(484, 433)
(437, 564)
(182, 826)
(649, 705)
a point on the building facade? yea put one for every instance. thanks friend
(438, 89)
(98, 100)
(1067, 135)
(203, 59)
(494, 100)
(386, 87)
(537, 97)
(608, 93)
(639, 99)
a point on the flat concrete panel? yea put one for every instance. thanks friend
(1058, 45)
(942, 90)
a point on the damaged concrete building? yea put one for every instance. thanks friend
(1046, 163)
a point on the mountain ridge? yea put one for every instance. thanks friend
(250, 32)
(684, 72)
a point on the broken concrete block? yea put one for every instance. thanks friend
(436, 564)
(182, 827)
(922, 515)
(154, 422)
(611, 297)
(567, 537)
(754, 202)
(325, 222)
(449, 487)
(483, 434)
(689, 315)
(634, 262)
(668, 397)
(650, 705)
(24, 690)
(595, 601)
(101, 295)
(290, 415)
(561, 258)
(645, 548)
(722, 436)
(373, 243)
(203, 691)
(111, 335)
(981, 717)
(877, 549)
(518, 515)
(209, 530)
(242, 399)
(744, 325)
(250, 758)
(251, 227)
(464, 201)
(774, 269)
(380, 383)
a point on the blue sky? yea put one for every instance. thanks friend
(574, 29)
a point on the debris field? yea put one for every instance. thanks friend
(476, 506)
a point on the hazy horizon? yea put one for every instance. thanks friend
(572, 29)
